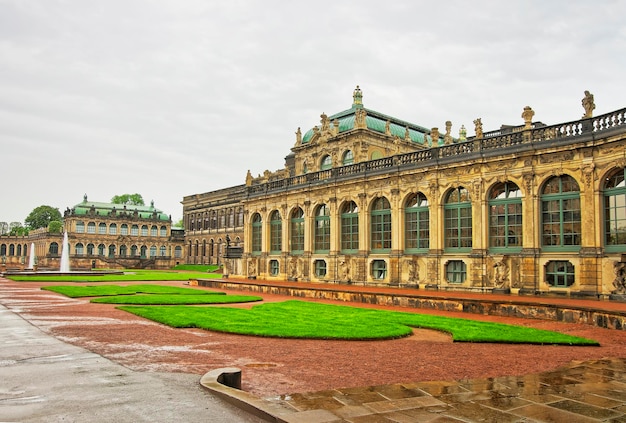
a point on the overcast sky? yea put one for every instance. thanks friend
(171, 98)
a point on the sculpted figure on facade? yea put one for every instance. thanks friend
(447, 138)
(298, 137)
(619, 269)
(588, 104)
(344, 269)
(413, 270)
(462, 134)
(478, 128)
(501, 273)
(252, 267)
(359, 119)
(388, 127)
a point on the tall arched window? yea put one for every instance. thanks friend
(154, 231)
(54, 249)
(560, 213)
(111, 250)
(348, 158)
(350, 228)
(153, 251)
(297, 231)
(326, 163)
(144, 230)
(163, 231)
(458, 220)
(239, 221)
(101, 249)
(124, 229)
(257, 230)
(91, 228)
(80, 249)
(134, 251)
(113, 229)
(143, 250)
(90, 249)
(322, 229)
(80, 227)
(123, 250)
(134, 230)
(615, 211)
(505, 216)
(416, 223)
(276, 232)
(102, 228)
(380, 229)
(162, 251)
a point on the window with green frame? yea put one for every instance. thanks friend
(456, 271)
(615, 211)
(380, 229)
(458, 220)
(560, 214)
(320, 268)
(348, 158)
(350, 227)
(326, 163)
(416, 223)
(297, 231)
(560, 274)
(379, 269)
(274, 267)
(322, 229)
(257, 230)
(505, 216)
(276, 232)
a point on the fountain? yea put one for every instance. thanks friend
(32, 258)
(65, 255)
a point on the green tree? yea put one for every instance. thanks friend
(128, 199)
(41, 217)
(16, 229)
(55, 227)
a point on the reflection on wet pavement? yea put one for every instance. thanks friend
(593, 391)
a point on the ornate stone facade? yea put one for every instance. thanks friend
(365, 198)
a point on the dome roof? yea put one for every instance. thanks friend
(375, 121)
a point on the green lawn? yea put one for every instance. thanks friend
(75, 291)
(162, 299)
(149, 294)
(128, 276)
(300, 319)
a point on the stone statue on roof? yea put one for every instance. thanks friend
(357, 97)
(588, 105)
(478, 125)
(298, 136)
(527, 115)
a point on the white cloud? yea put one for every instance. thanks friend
(170, 98)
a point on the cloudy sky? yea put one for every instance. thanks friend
(170, 98)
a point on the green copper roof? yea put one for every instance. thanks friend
(105, 209)
(375, 121)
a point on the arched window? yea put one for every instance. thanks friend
(80, 249)
(101, 249)
(111, 250)
(134, 230)
(380, 229)
(163, 231)
(326, 163)
(276, 232)
(143, 250)
(19, 250)
(113, 229)
(123, 251)
(144, 230)
(162, 251)
(222, 222)
(178, 252)
(102, 228)
(560, 213)
(257, 229)
(154, 231)
(416, 223)
(350, 228)
(133, 251)
(615, 211)
(153, 251)
(239, 222)
(80, 227)
(91, 228)
(505, 216)
(231, 218)
(54, 249)
(213, 220)
(297, 231)
(348, 158)
(322, 229)
(458, 220)
(90, 249)
(124, 229)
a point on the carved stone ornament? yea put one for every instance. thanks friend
(588, 174)
(619, 269)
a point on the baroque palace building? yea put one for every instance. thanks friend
(102, 235)
(366, 198)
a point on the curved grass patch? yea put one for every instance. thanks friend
(300, 319)
(161, 299)
(128, 276)
(74, 291)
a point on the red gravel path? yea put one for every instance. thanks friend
(283, 366)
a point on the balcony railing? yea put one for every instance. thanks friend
(491, 144)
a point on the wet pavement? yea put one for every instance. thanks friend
(592, 391)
